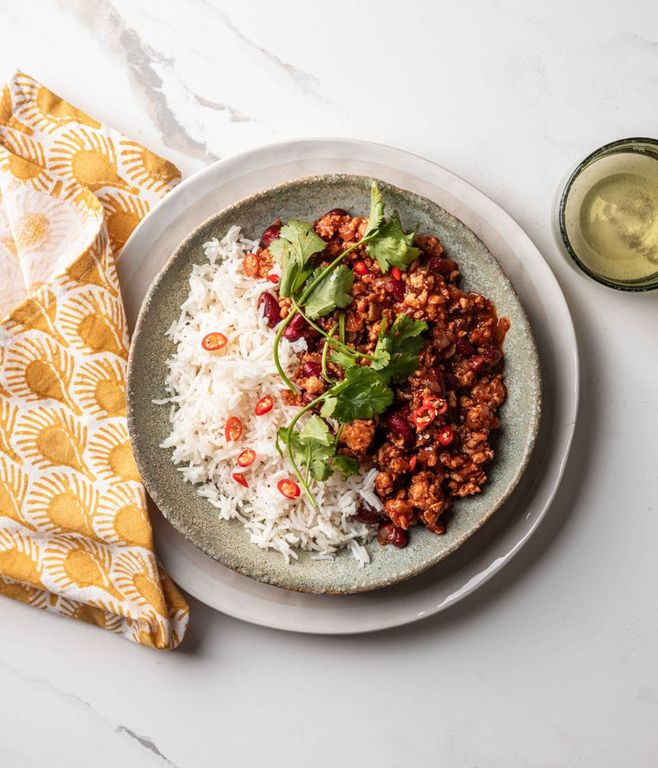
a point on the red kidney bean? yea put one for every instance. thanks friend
(442, 266)
(437, 373)
(452, 381)
(464, 348)
(400, 427)
(295, 329)
(397, 288)
(385, 532)
(489, 358)
(492, 356)
(389, 533)
(311, 369)
(367, 514)
(478, 363)
(337, 212)
(400, 538)
(269, 306)
(271, 233)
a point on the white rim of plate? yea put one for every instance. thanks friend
(440, 587)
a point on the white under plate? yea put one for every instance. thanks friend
(228, 181)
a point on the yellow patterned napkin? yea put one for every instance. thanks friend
(74, 533)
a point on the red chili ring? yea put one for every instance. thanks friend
(251, 265)
(240, 479)
(288, 488)
(422, 417)
(233, 429)
(212, 342)
(440, 404)
(264, 405)
(446, 435)
(246, 458)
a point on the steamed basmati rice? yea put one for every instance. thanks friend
(205, 389)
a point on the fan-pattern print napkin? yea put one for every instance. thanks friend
(74, 533)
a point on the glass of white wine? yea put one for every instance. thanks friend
(608, 215)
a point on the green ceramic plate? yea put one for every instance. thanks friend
(227, 541)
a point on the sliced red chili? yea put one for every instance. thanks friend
(212, 342)
(439, 404)
(361, 268)
(264, 405)
(233, 429)
(288, 488)
(446, 435)
(412, 463)
(273, 278)
(240, 478)
(396, 273)
(246, 458)
(251, 265)
(422, 417)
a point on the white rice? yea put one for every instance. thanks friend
(205, 389)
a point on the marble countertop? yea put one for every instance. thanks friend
(553, 662)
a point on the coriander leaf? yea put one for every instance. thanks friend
(405, 328)
(312, 447)
(402, 345)
(296, 244)
(328, 407)
(332, 292)
(382, 357)
(391, 247)
(376, 215)
(346, 465)
(320, 469)
(382, 352)
(360, 395)
(402, 365)
(303, 238)
(340, 358)
(316, 431)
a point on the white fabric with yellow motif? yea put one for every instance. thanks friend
(74, 533)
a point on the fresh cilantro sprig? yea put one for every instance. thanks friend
(296, 245)
(330, 294)
(360, 395)
(314, 448)
(319, 292)
(387, 242)
(316, 292)
(396, 353)
(364, 392)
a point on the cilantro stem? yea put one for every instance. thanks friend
(289, 451)
(329, 268)
(325, 348)
(332, 342)
(284, 324)
(341, 327)
(277, 339)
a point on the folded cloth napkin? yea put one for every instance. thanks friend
(75, 537)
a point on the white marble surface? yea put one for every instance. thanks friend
(554, 662)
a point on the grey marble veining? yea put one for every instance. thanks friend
(143, 63)
(554, 662)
